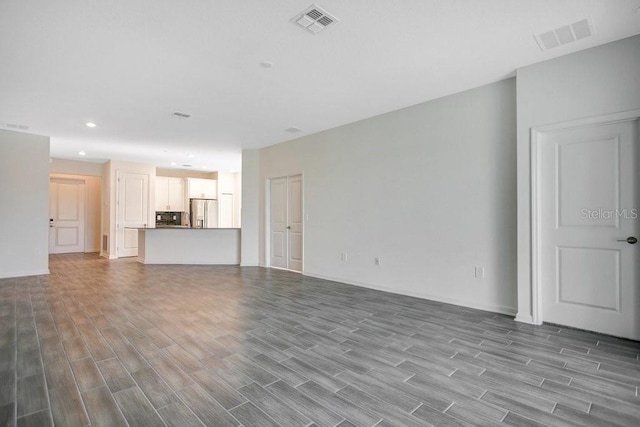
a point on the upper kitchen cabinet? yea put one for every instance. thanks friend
(170, 194)
(199, 188)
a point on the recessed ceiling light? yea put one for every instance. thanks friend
(173, 163)
(191, 156)
(204, 167)
(91, 125)
(266, 64)
(82, 153)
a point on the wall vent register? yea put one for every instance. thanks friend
(314, 19)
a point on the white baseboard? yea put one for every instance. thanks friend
(485, 307)
(11, 274)
(524, 318)
(106, 255)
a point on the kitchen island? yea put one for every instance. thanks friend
(205, 246)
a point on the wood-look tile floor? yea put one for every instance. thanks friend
(102, 342)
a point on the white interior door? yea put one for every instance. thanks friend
(67, 215)
(132, 201)
(589, 200)
(294, 229)
(285, 227)
(278, 223)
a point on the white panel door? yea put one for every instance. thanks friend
(132, 201)
(278, 223)
(589, 201)
(295, 222)
(226, 210)
(285, 230)
(67, 211)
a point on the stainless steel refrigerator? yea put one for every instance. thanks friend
(203, 213)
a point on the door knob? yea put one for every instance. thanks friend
(630, 240)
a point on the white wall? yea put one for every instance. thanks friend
(184, 173)
(593, 82)
(75, 167)
(105, 243)
(24, 197)
(231, 183)
(250, 214)
(237, 200)
(429, 189)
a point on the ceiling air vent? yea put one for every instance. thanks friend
(293, 130)
(563, 35)
(314, 19)
(16, 126)
(179, 115)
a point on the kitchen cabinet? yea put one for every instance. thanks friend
(200, 188)
(170, 194)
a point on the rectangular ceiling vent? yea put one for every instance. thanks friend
(16, 126)
(179, 115)
(314, 19)
(563, 35)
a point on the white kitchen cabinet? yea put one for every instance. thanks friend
(202, 188)
(170, 194)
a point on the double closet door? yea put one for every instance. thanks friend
(286, 223)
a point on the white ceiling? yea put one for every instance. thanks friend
(127, 65)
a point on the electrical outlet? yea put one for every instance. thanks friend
(376, 260)
(479, 273)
